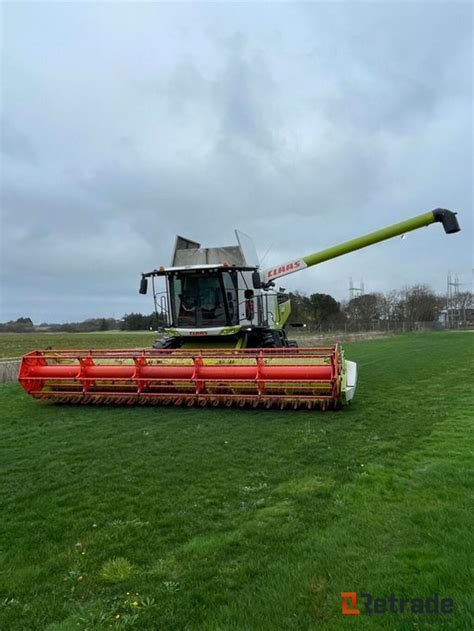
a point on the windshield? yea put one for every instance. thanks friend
(204, 299)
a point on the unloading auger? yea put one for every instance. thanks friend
(225, 339)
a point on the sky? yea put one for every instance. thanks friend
(302, 124)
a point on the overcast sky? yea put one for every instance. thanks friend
(124, 124)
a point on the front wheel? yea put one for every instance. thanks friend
(163, 343)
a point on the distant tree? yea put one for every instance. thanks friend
(318, 310)
(86, 326)
(363, 311)
(324, 308)
(420, 304)
(300, 307)
(21, 325)
(25, 321)
(104, 325)
(140, 322)
(464, 300)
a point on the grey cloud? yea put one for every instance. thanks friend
(15, 144)
(303, 125)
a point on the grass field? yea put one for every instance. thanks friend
(17, 344)
(178, 518)
(14, 345)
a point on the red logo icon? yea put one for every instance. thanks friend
(349, 602)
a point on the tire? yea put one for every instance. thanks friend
(268, 340)
(163, 343)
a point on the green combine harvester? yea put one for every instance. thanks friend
(225, 341)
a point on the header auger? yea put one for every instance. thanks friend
(225, 339)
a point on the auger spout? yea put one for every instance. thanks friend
(442, 215)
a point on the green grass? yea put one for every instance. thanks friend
(17, 344)
(179, 518)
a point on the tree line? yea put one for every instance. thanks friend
(405, 309)
(129, 322)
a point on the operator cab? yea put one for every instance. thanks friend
(207, 297)
(201, 299)
(208, 290)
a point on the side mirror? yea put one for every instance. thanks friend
(248, 294)
(143, 285)
(256, 280)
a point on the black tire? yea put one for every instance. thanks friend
(268, 340)
(166, 342)
(292, 343)
(264, 338)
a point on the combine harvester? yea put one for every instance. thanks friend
(225, 341)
